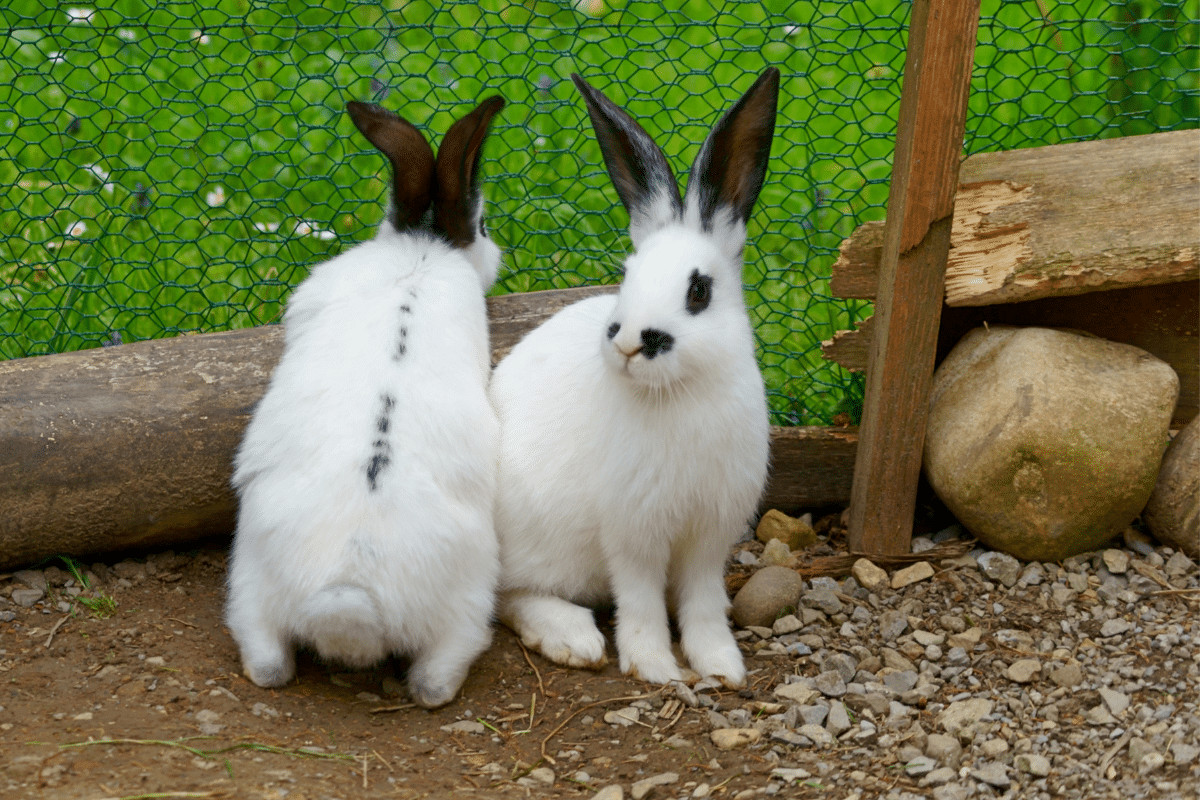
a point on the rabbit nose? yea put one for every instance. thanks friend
(655, 341)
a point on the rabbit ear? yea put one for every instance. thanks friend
(636, 165)
(411, 157)
(457, 199)
(732, 162)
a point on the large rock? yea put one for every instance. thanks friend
(1173, 513)
(1047, 443)
(770, 592)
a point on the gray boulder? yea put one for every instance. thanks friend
(1173, 513)
(1046, 443)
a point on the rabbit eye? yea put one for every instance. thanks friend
(699, 292)
(482, 227)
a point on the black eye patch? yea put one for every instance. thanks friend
(699, 292)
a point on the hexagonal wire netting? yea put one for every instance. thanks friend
(179, 168)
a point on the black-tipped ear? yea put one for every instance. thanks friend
(637, 167)
(411, 157)
(732, 164)
(456, 193)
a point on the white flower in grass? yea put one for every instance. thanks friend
(216, 197)
(306, 228)
(76, 228)
(56, 57)
(100, 174)
(201, 37)
(791, 30)
(266, 227)
(127, 34)
(81, 16)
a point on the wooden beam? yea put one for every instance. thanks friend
(933, 104)
(1061, 220)
(131, 447)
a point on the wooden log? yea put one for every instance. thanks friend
(1162, 320)
(1060, 220)
(131, 447)
(933, 104)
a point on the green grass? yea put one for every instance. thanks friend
(180, 168)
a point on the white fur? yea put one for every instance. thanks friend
(629, 478)
(319, 557)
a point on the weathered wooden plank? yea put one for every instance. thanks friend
(1162, 320)
(1059, 220)
(937, 74)
(131, 447)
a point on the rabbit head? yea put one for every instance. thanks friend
(680, 313)
(442, 195)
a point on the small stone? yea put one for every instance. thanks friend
(1032, 764)
(34, 579)
(817, 735)
(1117, 561)
(1000, 567)
(793, 532)
(946, 749)
(916, 573)
(1023, 670)
(1115, 627)
(1139, 748)
(869, 576)
(921, 765)
(789, 774)
(770, 593)
(543, 775)
(731, 738)
(951, 791)
(25, 598)
(1116, 701)
(785, 625)
(994, 748)
(993, 774)
(830, 683)
(1151, 762)
(82, 717)
(613, 792)
(838, 721)
(776, 552)
(814, 714)
(1099, 716)
(939, 776)
(900, 681)
(892, 623)
(824, 600)
(962, 713)
(1179, 564)
(263, 710)
(623, 716)
(1184, 753)
(797, 693)
(1068, 676)
(643, 787)
(466, 726)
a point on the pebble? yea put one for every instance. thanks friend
(766, 595)
(945, 749)
(613, 792)
(1000, 567)
(34, 579)
(993, 774)
(798, 693)
(776, 552)
(830, 683)
(824, 600)
(542, 775)
(1067, 676)
(1024, 670)
(962, 713)
(1115, 627)
(916, 573)
(837, 721)
(1117, 561)
(920, 765)
(465, 726)
(892, 623)
(731, 738)
(25, 598)
(1116, 701)
(869, 576)
(1032, 764)
(623, 717)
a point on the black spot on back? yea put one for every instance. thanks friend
(381, 449)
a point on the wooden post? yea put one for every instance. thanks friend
(933, 107)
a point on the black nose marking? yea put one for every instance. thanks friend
(613, 329)
(655, 342)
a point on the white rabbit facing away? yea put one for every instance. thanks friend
(634, 429)
(366, 476)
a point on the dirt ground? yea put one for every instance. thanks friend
(148, 701)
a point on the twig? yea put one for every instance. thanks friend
(581, 709)
(157, 795)
(536, 671)
(54, 630)
(386, 709)
(365, 759)
(179, 744)
(181, 622)
(377, 754)
(1112, 751)
(1176, 591)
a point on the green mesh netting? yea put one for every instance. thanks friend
(178, 167)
